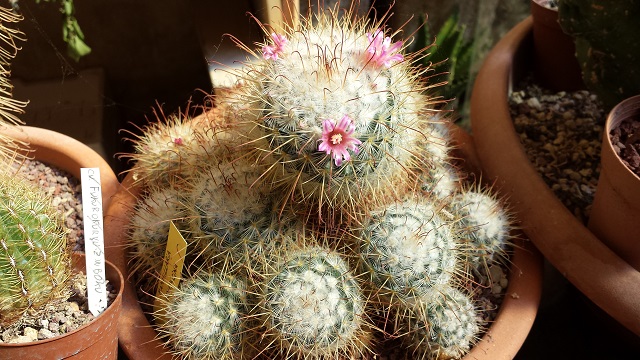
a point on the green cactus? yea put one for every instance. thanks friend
(485, 225)
(34, 259)
(340, 109)
(407, 249)
(607, 46)
(312, 307)
(441, 326)
(205, 318)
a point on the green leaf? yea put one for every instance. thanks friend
(76, 48)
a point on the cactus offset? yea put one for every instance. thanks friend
(440, 181)
(228, 209)
(204, 318)
(408, 249)
(174, 147)
(34, 260)
(149, 227)
(485, 224)
(441, 326)
(312, 307)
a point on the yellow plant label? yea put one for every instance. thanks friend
(171, 265)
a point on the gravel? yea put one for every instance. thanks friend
(562, 135)
(66, 195)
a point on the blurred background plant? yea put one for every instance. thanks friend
(450, 57)
(71, 32)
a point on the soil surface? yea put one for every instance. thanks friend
(626, 143)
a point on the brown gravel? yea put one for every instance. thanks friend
(562, 135)
(66, 193)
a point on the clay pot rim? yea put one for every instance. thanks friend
(613, 121)
(545, 15)
(138, 340)
(77, 256)
(45, 145)
(605, 278)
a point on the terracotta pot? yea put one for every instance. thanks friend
(616, 207)
(66, 153)
(502, 341)
(555, 64)
(604, 277)
(97, 339)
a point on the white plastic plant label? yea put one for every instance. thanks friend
(94, 239)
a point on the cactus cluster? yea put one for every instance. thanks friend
(442, 326)
(328, 188)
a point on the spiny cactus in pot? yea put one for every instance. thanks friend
(34, 259)
(332, 124)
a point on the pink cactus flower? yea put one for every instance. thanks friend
(178, 141)
(272, 51)
(338, 139)
(383, 52)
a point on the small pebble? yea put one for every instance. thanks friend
(44, 333)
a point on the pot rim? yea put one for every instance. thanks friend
(622, 111)
(53, 148)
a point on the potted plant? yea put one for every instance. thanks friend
(615, 207)
(608, 58)
(37, 262)
(565, 241)
(308, 183)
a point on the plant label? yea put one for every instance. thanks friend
(94, 239)
(172, 264)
